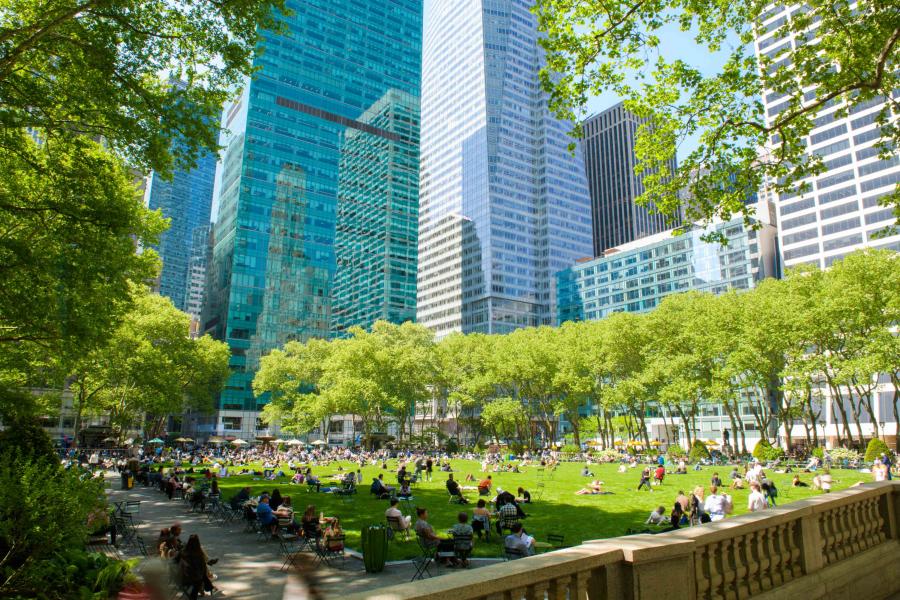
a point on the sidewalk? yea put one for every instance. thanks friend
(251, 569)
(247, 568)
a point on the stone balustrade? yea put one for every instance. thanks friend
(837, 545)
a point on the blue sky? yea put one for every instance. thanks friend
(674, 44)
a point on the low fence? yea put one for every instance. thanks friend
(838, 545)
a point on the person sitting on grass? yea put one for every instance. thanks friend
(585, 472)
(594, 489)
(737, 482)
(484, 486)
(313, 480)
(716, 481)
(378, 488)
(524, 496)
(453, 489)
(425, 532)
(405, 492)
(519, 541)
(657, 517)
(677, 515)
(462, 528)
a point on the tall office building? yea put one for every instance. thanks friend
(332, 108)
(609, 162)
(377, 221)
(503, 204)
(840, 213)
(185, 200)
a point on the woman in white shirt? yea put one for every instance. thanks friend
(757, 500)
(714, 505)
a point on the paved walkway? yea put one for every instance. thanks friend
(251, 569)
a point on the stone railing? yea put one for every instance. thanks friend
(838, 545)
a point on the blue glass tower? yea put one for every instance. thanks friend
(309, 123)
(503, 204)
(185, 200)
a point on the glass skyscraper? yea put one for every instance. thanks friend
(636, 276)
(609, 162)
(317, 184)
(503, 204)
(186, 201)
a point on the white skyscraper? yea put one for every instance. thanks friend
(503, 204)
(840, 213)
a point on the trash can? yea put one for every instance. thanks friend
(375, 546)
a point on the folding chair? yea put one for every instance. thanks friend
(422, 561)
(486, 524)
(539, 490)
(290, 546)
(395, 528)
(324, 554)
(462, 547)
(556, 540)
(311, 535)
(454, 498)
(513, 553)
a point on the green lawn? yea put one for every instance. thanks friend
(560, 511)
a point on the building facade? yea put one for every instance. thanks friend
(311, 128)
(503, 203)
(609, 162)
(635, 277)
(186, 201)
(840, 212)
(376, 243)
(195, 288)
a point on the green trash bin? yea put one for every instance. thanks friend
(375, 547)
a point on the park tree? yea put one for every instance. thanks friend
(845, 57)
(465, 377)
(150, 368)
(289, 379)
(505, 418)
(84, 111)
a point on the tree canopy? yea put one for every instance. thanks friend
(769, 354)
(844, 60)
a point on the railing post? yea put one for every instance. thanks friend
(811, 552)
(649, 560)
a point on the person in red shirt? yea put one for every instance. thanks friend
(660, 474)
(484, 487)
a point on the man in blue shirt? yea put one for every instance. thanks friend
(265, 516)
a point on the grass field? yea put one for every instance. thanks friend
(558, 511)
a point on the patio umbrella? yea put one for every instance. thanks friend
(656, 443)
(279, 441)
(712, 443)
(109, 439)
(265, 438)
(156, 441)
(216, 440)
(238, 442)
(295, 443)
(182, 440)
(319, 443)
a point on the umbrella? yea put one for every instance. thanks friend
(279, 441)
(265, 438)
(109, 439)
(319, 443)
(216, 440)
(156, 441)
(656, 443)
(712, 443)
(295, 443)
(183, 439)
(238, 442)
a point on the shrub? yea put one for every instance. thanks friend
(875, 449)
(765, 451)
(606, 456)
(31, 539)
(570, 449)
(676, 452)
(819, 452)
(699, 451)
(842, 454)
